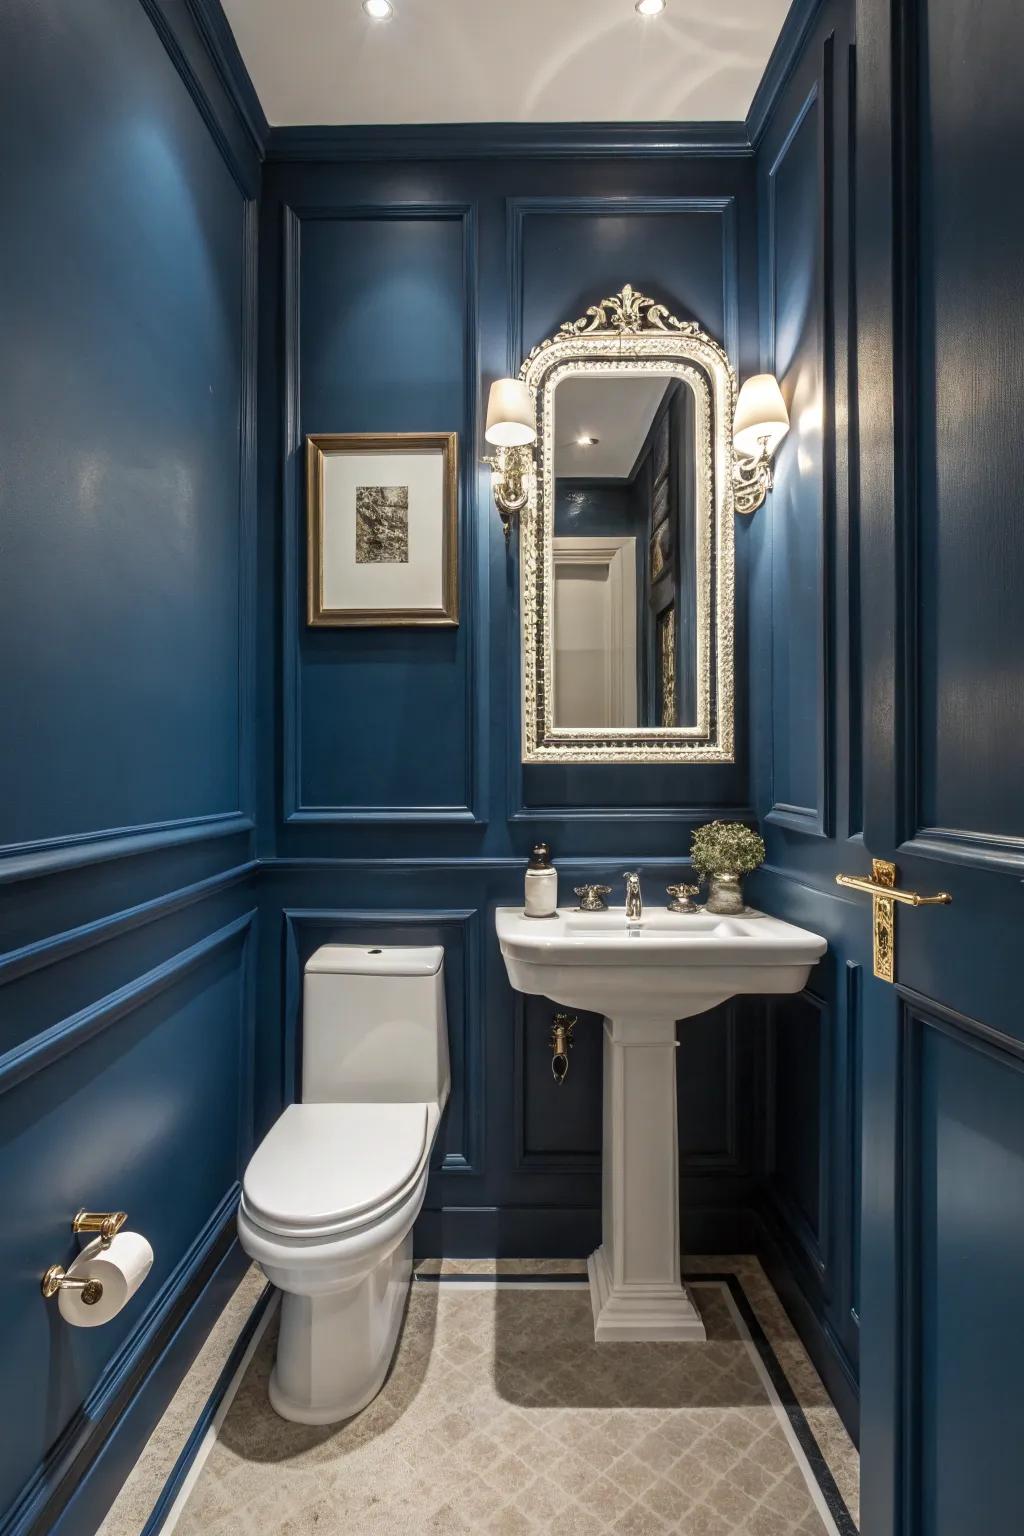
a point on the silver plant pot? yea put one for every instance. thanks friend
(725, 895)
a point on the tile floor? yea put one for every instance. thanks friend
(502, 1416)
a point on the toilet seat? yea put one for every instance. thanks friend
(323, 1169)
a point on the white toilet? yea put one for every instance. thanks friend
(331, 1194)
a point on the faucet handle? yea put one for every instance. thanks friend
(592, 897)
(682, 897)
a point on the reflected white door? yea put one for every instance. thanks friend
(595, 631)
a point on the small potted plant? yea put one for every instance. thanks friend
(725, 851)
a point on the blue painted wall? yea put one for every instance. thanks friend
(391, 791)
(128, 929)
(805, 684)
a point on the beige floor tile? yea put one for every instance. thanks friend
(501, 1417)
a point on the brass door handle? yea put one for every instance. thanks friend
(883, 890)
(893, 893)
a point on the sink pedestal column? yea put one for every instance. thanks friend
(636, 1286)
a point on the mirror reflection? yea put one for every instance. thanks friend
(624, 565)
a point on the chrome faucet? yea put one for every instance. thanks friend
(634, 900)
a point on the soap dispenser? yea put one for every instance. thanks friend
(541, 883)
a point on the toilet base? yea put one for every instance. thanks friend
(334, 1349)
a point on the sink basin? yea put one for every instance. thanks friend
(664, 964)
(643, 975)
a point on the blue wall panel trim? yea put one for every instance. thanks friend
(787, 54)
(27, 861)
(44, 1049)
(219, 42)
(66, 1465)
(799, 703)
(62, 946)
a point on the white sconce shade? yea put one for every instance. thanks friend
(510, 416)
(761, 416)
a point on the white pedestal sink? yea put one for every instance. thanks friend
(643, 975)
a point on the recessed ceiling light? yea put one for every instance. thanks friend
(383, 10)
(650, 7)
(587, 442)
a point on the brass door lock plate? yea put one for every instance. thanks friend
(885, 893)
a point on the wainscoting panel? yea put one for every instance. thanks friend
(140, 1101)
(519, 1158)
(963, 1122)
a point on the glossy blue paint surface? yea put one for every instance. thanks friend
(794, 209)
(120, 399)
(971, 1188)
(382, 347)
(128, 940)
(971, 372)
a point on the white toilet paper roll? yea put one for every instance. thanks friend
(120, 1269)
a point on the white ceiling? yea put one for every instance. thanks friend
(490, 61)
(617, 411)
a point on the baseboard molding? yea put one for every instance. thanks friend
(213, 1412)
(76, 1483)
(827, 1354)
(558, 1232)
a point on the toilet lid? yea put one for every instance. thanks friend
(324, 1164)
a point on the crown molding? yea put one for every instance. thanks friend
(800, 19)
(219, 42)
(481, 141)
(507, 141)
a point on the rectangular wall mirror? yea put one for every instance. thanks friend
(627, 542)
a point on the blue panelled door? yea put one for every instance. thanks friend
(940, 380)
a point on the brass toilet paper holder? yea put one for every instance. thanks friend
(107, 1224)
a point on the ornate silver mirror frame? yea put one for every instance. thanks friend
(625, 335)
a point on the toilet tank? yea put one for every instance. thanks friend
(374, 1025)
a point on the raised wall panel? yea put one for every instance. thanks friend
(380, 336)
(139, 1101)
(969, 553)
(559, 1124)
(799, 695)
(964, 1118)
(799, 1149)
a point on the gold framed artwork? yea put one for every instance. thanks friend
(382, 516)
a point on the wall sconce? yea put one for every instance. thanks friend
(512, 429)
(760, 423)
